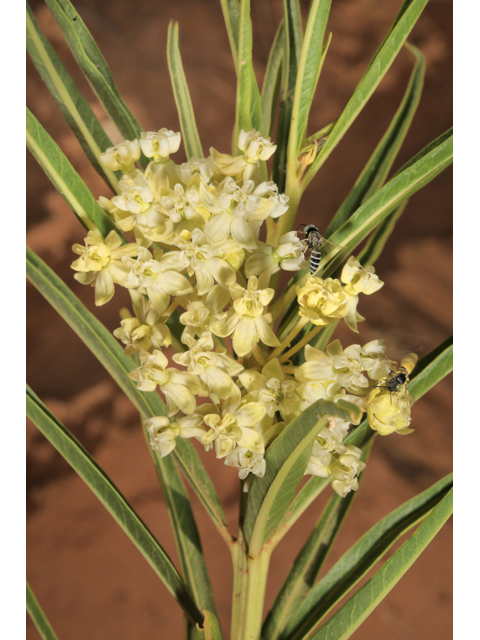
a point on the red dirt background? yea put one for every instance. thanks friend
(88, 577)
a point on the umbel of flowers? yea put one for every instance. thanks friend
(196, 253)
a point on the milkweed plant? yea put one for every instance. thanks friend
(215, 355)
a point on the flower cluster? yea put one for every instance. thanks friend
(199, 278)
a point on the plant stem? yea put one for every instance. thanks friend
(240, 575)
(305, 340)
(295, 331)
(256, 587)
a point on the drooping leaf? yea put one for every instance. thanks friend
(347, 619)
(272, 81)
(191, 139)
(378, 67)
(76, 110)
(111, 355)
(286, 461)
(378, 238)
(380, 162)
(39, 619)
(111, 498)
(93, 65)
(65, 179)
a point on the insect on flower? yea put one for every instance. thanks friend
(398, 379)
(317, 243)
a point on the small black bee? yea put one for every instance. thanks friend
(315, 242)
(399, 377)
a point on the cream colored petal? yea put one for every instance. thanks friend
(159, 299)
(266, 333)
(242, 234)
(104, 288)
(182, 397)
(252, 440)
(250, 414)
(245, 336)
(217, 228)
(226, 325)
(221, 271)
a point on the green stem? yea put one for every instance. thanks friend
(240, 575)
(305, 340)
(256, 587)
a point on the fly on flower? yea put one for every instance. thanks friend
(317, 244)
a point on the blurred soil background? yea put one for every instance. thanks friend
(87, 575)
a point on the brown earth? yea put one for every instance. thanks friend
(83, 569)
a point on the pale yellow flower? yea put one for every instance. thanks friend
(322, 301)
(160, 144)
(246, 462)
(345, 470)
(121, 157)
(158, 277)
(202, 312)
(163, 433)
(265, 261)
(100, 263)
(179, 387)
(146, 330)
(214, 367)
(234, 424)
(388, 412)
(246, 318)
(358, 280)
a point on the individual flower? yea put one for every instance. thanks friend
(272, 388)
(348, 366)
(357, 280)
(144, 331)
(254, 147)
(388, 412)
(184, 205)
(234, 424)
(265, 261)
(214, 367)
(345, 470)
(160, 144)
(179, 387)
(375, 362)
(121, 157)
(246, 318)
(202, 261)
(158, 277)
(100, 263)
(204, 311)
(326, 446)
(246, 462)
(163, 433)
(205, 167)
(322, 301)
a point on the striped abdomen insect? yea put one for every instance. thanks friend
(315, 243)
(399, 377)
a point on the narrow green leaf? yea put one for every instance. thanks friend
(65, 179)
(231, 15)
(345, 621)
(111, 355)
(249, 108)
(39, 619)
(272, 81)
(293, 36)
(308, 563)
(191, 139)
(309, 68)
(287, 459)
(93, 65)
(78, 114)
(111, 498)
(378, 67)
(429, 371)
(376, 170)
(189, 547)
(379, 237)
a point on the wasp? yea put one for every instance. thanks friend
(316, 242)
(399, 377)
